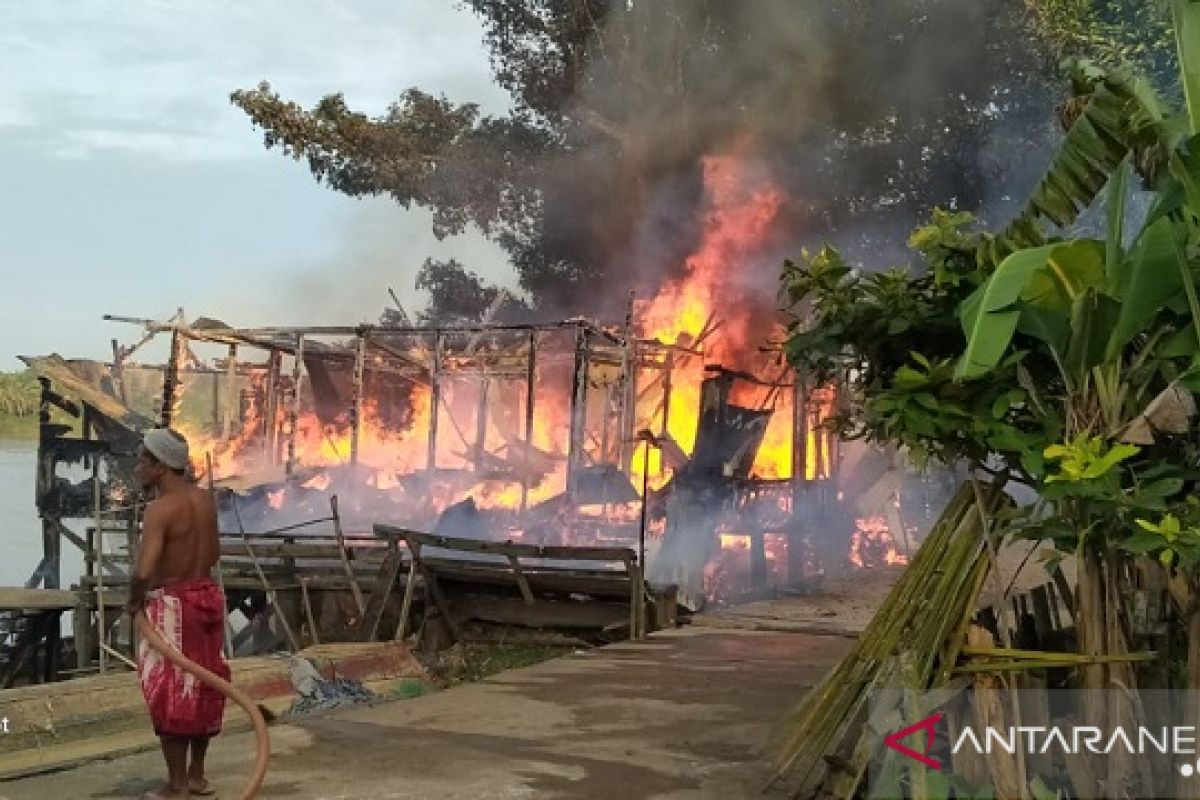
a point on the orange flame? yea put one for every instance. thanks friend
(873, 544)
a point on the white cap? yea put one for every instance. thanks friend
(168, 447)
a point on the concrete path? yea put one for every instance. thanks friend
(687, 714)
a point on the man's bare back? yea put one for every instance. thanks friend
(188, 522)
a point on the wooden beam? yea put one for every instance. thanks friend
(561, 552)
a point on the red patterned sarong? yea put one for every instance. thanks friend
(190, 615)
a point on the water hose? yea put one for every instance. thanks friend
(263, 739)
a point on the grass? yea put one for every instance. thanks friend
(474, 662)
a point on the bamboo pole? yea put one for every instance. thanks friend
(831, 720)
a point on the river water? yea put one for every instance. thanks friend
(20, 530)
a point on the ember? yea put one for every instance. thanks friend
(873, 544)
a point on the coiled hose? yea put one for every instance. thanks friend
(262, 738)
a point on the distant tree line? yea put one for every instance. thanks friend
(20, 393)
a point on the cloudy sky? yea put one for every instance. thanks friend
(131, 186)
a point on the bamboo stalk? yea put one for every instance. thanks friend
(831, 720)
(1074, 658)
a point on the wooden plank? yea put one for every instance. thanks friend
(18, 599)
(557, 553)
(600, 584)
(514, 611)
(389, 570)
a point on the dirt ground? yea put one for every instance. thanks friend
(688, 714)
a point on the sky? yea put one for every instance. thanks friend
(130, 185)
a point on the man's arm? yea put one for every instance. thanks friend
(150, 550)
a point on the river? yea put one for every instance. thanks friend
(20, 530)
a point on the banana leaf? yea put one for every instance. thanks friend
(1092, 318)
(1123, 114)
(1038, 282)
(1144, 282)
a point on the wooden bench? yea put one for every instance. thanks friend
(540, 573)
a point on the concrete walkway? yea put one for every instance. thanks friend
(687, 714)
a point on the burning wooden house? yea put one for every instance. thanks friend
(334, 449)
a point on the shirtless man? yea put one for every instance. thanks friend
(171, 582)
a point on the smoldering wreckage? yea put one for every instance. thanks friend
(380, 482)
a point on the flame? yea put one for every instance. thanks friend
(873, 544)
(741, 210)
(483, 450)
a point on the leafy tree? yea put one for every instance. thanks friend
(1075, 364)
(459, 294)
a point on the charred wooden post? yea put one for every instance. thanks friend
(627, 398)
(435, 401)
(294, 408)
(118, 372)
(270, 429)
(668, 367)
(356, 410)
(479, 449)
(578, 408)
(605, 443)
(216, 402)
(795, 552)
(101, 603)
(171, 379)
(530, 379)
(49, 572)
(758, 558)
(231, 393)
